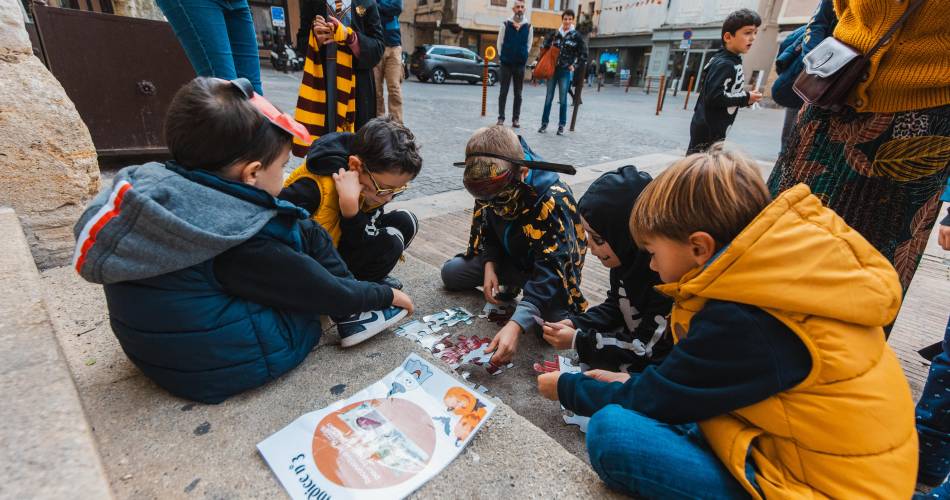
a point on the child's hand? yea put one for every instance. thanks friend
(547, 385)
(943, 237)
(400, 299)
(606, 376)
(348, 188)
(559, 335)
(505, 343)
(490, 283)
(754, 97)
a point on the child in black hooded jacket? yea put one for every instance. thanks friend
(628, 331)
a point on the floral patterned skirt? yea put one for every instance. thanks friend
(883, 173)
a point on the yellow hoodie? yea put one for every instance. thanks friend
(847, 430)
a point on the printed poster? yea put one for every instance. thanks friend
(383, 442)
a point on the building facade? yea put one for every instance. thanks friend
(474, 23)
(676, 38)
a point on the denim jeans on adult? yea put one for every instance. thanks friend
(645, 458)
(514, 75)
(561, 79)
(933, 419)
(218, 37)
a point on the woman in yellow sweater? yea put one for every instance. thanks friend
(881, 162)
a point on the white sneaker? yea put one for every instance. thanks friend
(359, 327)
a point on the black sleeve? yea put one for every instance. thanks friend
(307, 13)
(722, 75)
(370, 39)
(581, 52)
(604, 317)
(304, 193)
(353, 229)
(491, 246)
(271, 273)
(735, 355)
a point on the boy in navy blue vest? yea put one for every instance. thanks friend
(514, 43)
(214, 286)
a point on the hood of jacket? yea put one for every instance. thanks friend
(607, 204)
(157, 219)
(331, 152)
(800, 257)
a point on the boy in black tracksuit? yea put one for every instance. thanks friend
(721, 93)
(628, 331)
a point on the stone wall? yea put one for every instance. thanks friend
(48, 163)
(145, 9)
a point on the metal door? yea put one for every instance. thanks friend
(121, 73)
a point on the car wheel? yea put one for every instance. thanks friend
(421, 78)
(438, 75)
(492, 78)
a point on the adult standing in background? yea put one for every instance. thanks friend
(390, 68)
(514, 43)
(882, 161)
(789, 63)
(354, 26)
(218, 37)
(573, 54)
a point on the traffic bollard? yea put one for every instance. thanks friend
(689, 90)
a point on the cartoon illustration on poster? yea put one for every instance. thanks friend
(385, 441)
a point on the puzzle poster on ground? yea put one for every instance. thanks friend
(383, 442)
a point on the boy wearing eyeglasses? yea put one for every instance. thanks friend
(526, 235)
(344, 183)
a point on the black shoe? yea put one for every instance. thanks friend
(543, 129)
(507, 293)
(560, 130)
(501, 122)
(391, 282)
(515, 124)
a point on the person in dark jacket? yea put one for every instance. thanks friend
(213, 285)
(345, 183)
(573, 55)
(514, 42)
(788, 63)
(390, 69)
(355, 27)
(526, 234)
(628, 332)
(722, 93)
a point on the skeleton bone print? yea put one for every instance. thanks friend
(734, 88)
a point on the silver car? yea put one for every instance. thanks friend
(448, 62)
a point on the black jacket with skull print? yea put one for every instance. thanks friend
(721, 93)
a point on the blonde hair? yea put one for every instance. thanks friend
(496, 139)
(718, 192)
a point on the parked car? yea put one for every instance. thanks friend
(447, 62)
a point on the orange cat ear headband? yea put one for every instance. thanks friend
(282, 120)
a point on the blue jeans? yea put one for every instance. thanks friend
(645, 458)
(933, 419)
(218, 37)
(562, 79)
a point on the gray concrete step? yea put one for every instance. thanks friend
(46, 445)
(155, 445)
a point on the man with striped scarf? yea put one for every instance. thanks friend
(354, 27)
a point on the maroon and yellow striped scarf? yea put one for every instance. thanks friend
(312, 98)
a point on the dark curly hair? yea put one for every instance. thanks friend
(385, 145)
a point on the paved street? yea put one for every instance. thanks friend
(611, 125)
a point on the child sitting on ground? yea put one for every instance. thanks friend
(525, 234)
(214, 286)
(781, 384)
(628, 331)
(344, 184)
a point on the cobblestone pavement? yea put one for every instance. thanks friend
(611, 125)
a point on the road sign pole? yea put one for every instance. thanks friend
(490, 54)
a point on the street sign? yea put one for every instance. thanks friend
(687, 35)
(684, 44)
(277, 17)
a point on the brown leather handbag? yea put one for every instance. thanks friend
(833, 68)
(546, 64)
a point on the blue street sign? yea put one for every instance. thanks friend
(277, 17)
(687, 35)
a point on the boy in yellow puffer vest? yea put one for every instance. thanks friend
(344, 184)
(781, 384)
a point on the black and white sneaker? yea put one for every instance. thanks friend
(391, 282)
(359, 327)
